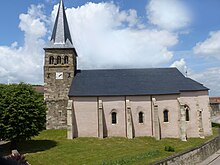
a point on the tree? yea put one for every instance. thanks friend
(22, 112)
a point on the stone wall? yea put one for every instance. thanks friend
(56, 114)
(193, 156)
(56, 89)
(215, 106)
(215, 109)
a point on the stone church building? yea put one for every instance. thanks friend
(156, 102)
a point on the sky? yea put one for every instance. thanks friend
(115, 34)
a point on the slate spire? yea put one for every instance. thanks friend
(61, 37)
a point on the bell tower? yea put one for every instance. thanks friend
(59, 70)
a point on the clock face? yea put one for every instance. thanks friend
(59, 75)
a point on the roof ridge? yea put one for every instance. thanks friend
(125, 69)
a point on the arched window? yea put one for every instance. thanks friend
(66, 59)
(114, 118)
(58, 60)
(51, 60)
(141, 117)
(187, 112)
(165, 115)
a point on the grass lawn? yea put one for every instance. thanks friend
(52, 148)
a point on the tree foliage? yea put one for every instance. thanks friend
(22, 112)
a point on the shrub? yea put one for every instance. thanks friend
(169, 149)
(217, 125)
(22, 112)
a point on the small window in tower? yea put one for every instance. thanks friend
(66, 60)
(165, 115)
(60, 113)
(114, 118)
(141, 117)
(58, 60)
(51, 60)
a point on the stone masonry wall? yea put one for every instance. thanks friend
(193, 156)
(57, 114)
(215, 109)
(56, 90)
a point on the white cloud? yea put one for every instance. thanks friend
(106, 37)
(209, 47)
(3, 72)
(169, 14)
(25, 63)
(210, 78)
(180, 65)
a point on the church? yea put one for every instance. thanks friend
(155, 102)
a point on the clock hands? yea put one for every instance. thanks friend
(59, 75)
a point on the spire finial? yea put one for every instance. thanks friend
(61, 2)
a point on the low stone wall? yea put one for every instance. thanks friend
(215, 109)
(193, 156)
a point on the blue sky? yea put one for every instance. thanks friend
(115, 34)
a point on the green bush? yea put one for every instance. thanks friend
(216, 125)
(22, 112)
(169, 149)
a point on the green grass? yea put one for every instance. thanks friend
(52, 148)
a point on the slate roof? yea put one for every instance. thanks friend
(61, 37)
(131, 82)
